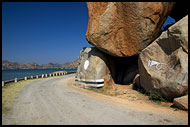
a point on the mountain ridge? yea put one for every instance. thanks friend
(33, 65)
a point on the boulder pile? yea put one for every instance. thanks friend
(130, 48)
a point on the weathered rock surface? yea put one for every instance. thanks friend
(181, 102)
(163, 65)
(177, 35)
(125, 28)
(92, 66)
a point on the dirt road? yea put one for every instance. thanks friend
(54, 101)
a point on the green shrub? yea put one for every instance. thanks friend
(156, 96)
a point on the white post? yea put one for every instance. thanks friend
(31, 77)
(46, 75)
(3, 83)
(49, 75)
(25, 78)
(42, 75)
(15, 79)
(56, 74)
(36, 76)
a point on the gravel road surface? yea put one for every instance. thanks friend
(52, 101)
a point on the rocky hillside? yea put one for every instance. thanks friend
(32, 65)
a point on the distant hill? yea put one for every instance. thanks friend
(73, 64)
(32, 65)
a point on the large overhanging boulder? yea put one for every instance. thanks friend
(125, 28)
(163, 65)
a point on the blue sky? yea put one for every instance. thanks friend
(44, 32)
(168, 21)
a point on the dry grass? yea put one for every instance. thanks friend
(10, 92)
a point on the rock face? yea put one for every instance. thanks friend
(178, 33)
(125, 28)
(163, 65)
(181, 102)
(92, 68)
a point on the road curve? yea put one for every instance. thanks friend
(52, 101)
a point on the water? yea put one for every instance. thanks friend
(21, 73)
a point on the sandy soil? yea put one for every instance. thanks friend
(135, 100)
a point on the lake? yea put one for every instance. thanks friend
(21, 73)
